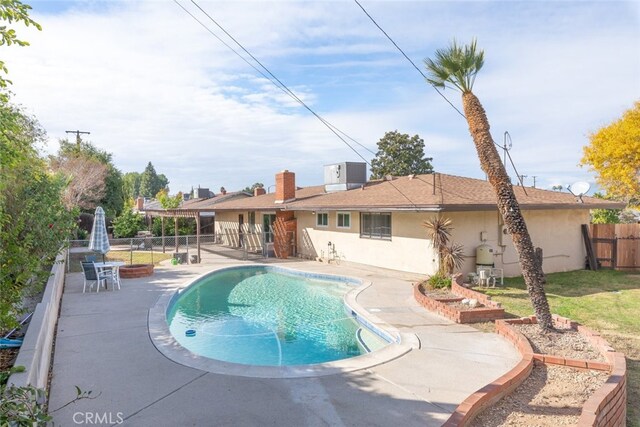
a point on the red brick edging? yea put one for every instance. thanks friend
(606, 406)
(136, 271)
(492, 310)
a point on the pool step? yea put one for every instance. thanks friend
(368, 341)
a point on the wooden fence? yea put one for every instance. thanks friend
(616, 245)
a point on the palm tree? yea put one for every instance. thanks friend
(457, 67)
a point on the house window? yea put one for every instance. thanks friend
(252, 222)
(322, 219)
(343, 220)
(267, 226)
(375, 225)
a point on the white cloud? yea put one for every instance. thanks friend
(152, 85)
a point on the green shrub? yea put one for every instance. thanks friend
(128, 224)
(186, 226)
(438, 281)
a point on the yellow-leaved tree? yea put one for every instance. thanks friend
(614, 154)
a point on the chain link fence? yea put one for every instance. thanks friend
(231, 244)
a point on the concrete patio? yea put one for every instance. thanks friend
(103, 345)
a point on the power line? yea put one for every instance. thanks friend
(425, 77)
(284, 88)
(271, 79)
(289, 91)
(408, 59)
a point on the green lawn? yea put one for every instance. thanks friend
(607, 301)
(138, 257)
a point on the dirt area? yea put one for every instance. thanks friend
(437, 293)
(7, 357)
(563, 342)
(489, 326)
(551, 396)
(460, 306)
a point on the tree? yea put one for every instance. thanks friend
(167, 201)
(458, 66)
(128, 224)
(151, 183)
(253, 187)
(112, 199)
(33, 221)
(613, 154)
(604, 216)
(163, 182)
(85, 179)
(12, 11)
(400, 155)
(131, 185)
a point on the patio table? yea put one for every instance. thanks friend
(110, 265)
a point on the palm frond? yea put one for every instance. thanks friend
(452, 258)
(457, 65)
(438, 231)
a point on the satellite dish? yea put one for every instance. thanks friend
(578, 189)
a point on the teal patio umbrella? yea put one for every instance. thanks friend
(99, 241)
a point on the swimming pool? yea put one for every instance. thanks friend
(270, 316)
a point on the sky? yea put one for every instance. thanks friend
(151, 84)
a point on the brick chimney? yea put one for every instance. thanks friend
(285, 186)
(140, 203)
(259, 191)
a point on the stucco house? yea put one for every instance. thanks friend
(199, 207)
(380, 222)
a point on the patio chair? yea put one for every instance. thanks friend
(115, 277)
(90, 258)
(91, 274)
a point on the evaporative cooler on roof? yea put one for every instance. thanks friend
(344, 176)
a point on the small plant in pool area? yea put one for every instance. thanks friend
(439, 281)
(24, 406)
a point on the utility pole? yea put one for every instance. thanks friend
(534, 180)
(77, 132)
(522, 177)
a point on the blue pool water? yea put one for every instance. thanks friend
(262, 316)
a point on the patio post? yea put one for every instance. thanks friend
(175, 219)
(163, 242)
(198, 233)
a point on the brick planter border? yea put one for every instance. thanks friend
(606, 407)
(135, 271)
(492, 310)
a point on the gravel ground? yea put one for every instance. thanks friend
(551, 396)
(461, 306)
(439, 293)
(563, 342)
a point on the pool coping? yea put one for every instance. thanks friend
(166, 344)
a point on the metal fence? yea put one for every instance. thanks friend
(231, 243)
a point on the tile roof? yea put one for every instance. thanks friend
(451, 193)
(202, 204)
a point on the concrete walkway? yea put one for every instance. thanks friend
(103, 345)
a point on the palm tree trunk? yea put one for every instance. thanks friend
(508, 206)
